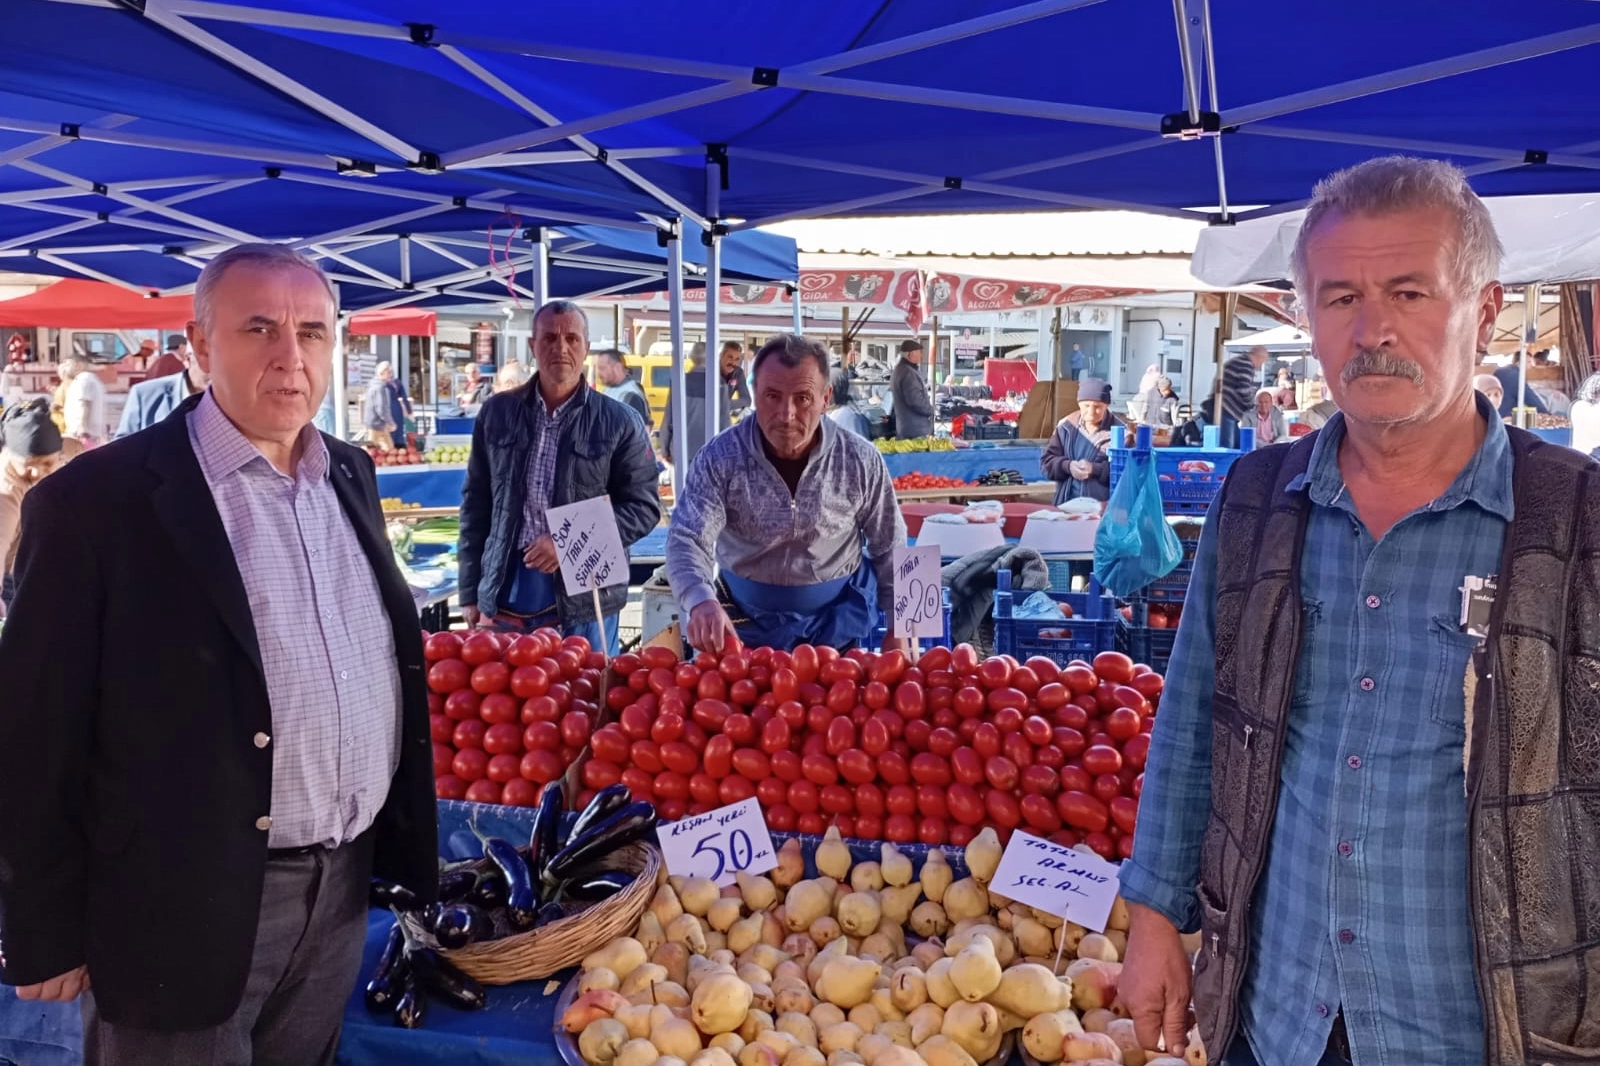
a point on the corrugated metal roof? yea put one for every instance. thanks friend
(1038, 234)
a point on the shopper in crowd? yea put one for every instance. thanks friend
(146, 355)
(1241, 376)
(171, 361)
(1489, 386)
(477, 389)
(1160, 404)
(83, 407)
(154, 399)
(1076, 362)
(1376, 816)
(620, 384)
(913, 407)
(841, 408)
(787, 524)
(1076, 459)
(552, 442)
(30, 449)
(1269, 423)
(513, 375)
(377, 412)
(1510, 376)
(731, 364)
(1285, 396)
(694, 381)
(399, 408)
(238, 789)
(1585, 417)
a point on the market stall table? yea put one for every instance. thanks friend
(1032, 490)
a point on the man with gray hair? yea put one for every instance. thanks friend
(1372, 785)
(787, 525)
(377, 413)
(235, 790)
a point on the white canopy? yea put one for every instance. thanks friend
(1546, 238)
(1275, 340)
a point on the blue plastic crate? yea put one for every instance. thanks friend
(881, 631)
(1175, 586)
(1092, 625)
(1182, 491)
(1153, 647)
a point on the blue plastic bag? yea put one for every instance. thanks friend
(1135, 546)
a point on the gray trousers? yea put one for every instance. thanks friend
(307, 957)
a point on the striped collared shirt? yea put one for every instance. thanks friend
(542, 462)
(327, 646)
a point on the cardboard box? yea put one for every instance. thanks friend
(1034, 422)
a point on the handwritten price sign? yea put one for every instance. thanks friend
(918, 593)
(588, 544)
(1072, 885)
(718, 844)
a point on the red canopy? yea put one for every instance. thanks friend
(395, 322)
(73, 303)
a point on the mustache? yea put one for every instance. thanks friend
(1379, 362)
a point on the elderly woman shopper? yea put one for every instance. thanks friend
(1271, 426)
(1075, 459)
(30, 449)
(841, 408)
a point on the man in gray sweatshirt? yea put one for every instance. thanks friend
(787, 524)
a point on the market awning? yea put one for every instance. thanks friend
(395, 322)
(76, 304)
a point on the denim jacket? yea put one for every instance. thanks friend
(604, 451)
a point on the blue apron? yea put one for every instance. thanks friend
(531, 604)
(835, 613)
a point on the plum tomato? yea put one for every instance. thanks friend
(894, 768)
(484, 790)
(782, 817)
(966, 766)
(718, 757)
(804, 796)
(1080, 678)
(965, 804)
(503, 738)
(441, 646)
(900, 828)
(679, 757)
(931, 801)
(930, 769)
(786, 765)
(1040, 813)
(994, 673)
(1107, 787)
(703, 788)
(969, 701)
(819, 769)
(1001, 773)
(1135, 750)
(1122, 723)
(986, 740)
(478, 648)
(462, 704)
(934, 659)
(448, 675)
(900, 799)
(751, 763)
(469, 733)
(943, 742)
(1101, 759)
(1040, 780)
(1003, 809)
(856, 766)
(597, 773)
(609, 742)
(1074, 778)
(470, 764)
(1113, 666)
(1083, 811)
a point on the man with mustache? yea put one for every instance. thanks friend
(1373, 783)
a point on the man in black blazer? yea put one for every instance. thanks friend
(213, 725)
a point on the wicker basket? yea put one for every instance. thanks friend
(552, 948)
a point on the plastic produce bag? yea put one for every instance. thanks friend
(1134, 545)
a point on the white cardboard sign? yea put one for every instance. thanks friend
(1073, 885)
(588, 544)
(720, 843)
(918, 593)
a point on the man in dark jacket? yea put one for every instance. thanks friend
(549, 443)
(1076, 459)
(234, 790)
(913, 409)
(734, 399)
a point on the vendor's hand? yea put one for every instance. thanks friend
(541, 555)
(62, 989)
(472, 617)
(1155, 984)
(1082, 469)
(893, 643)
(710, 629)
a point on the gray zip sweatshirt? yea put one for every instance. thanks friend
(736, 513)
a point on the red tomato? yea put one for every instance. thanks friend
(967, 728)
(807, 664)
(503, 738)
(1113, 666)
(966, 766)
(478, 648)
(666, 728)
(520, 792)
(986, 740)
(1123, 723)
(529, 681)
(448, 675)
(1026, 681)
(900, 799)
(498, 707)
(1001, 773)
(597, 773)
(782, 817)
(868, 826)
(935, 658)
(639, 680)
(994, 673)
(1101, 759)
(785, 685)
(626, 663)
(1148, 684)
(775, 736)
(490, 677)
(483, 790)
(1052, 697)
(718, 757)
(856, 766)
(734, 666)
(679, 758)
(703, 788)
(1128, 696)
(918, 735)
(635, 722)
(470, 763)
(711, 715)
(505, 767)
(875, 736)
(1074, 778)
(810, 693)
(657, 658)
(694, 736)
(943, 742)
(1003, 809)
(1040, 813)
(1124, 812)
(545, 709)
(1135, 750)
(1101, 844)
(969, 702)
(841, 736)
(1044, 669)
(772, 791)
(687, 676)
(930, 769)
(744, 693)
(965, 804)
(646, 756)
(574, 729)
(893, 768)
(609, 742)
(1037, 730)
(639, 783)
(819, 769)
(442, 728)
(1040, 780)
(1008, 718)
(1073, 715)
(1079, 678)
(751, 763)
(469, 733)
(841, 670)
(932, 831)
(1050, 756)
(964, 660)
(961, 835)
(1082, 811)
(931, 801)
(836, 799)
(739, 728)
(1015, 747)
(661, 679)
(570, 661)
(1107, 787)
(890, 667)
(671, 785)
(1138, 785)
(443, 755)
(804, 796)
(712, 686)
(876, 694)
(1104, 698)
(900, 828)
(449, 787)
(870, 800)
(441, 646)
(841, 697)
(812, 824)
(786, 765)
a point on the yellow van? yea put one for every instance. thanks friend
(654, 373)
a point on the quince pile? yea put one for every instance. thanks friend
(919, 444)
(782, 970)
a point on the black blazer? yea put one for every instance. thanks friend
(131, 691)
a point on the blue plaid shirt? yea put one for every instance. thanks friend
(1363, 903)
(542, 462)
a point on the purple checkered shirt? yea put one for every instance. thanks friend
(327, 646)
(542, 463)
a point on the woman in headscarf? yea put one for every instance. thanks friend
(840, 407)
(1271, 426)
(1075, 459)
(30, 450)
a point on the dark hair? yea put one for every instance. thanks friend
(1589, 391)
(561, 307)
(792, 350)
(730, 343)
(839, 384)
(612, 354)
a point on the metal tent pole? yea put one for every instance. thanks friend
(680, 400)
(713, 242)
(1530, 335)
(433, 374)
(341, 401)
(540, 267)
(794, 300)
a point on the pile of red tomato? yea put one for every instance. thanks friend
(931, 481)
(882, 747)
(508, 713)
